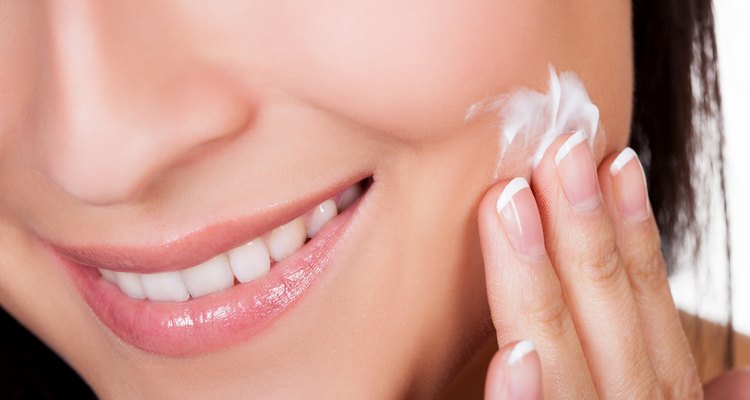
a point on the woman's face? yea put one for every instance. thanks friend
(146, 136)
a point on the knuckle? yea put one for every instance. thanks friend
(646, 267)
(648, 274)
(548, 315)
(603, 264)
(690, 387)
(651, 391)
(645, 385)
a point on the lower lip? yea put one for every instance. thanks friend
(217, 320)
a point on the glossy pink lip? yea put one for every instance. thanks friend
(214, 321)
(193, 247)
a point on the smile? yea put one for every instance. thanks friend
(247, 262)
(217, 286)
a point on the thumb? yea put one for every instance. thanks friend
(734, 384)
(514, 373)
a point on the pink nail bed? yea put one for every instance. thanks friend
(577, 173)
(629, 185)
(520, 218)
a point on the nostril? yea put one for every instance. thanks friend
(122, 103)
(110, 152)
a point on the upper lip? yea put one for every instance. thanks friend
(193, 247)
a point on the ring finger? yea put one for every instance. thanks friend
(624, 189)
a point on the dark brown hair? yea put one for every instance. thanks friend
(676, 92)
(676, 101)
(677, 129)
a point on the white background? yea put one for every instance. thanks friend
(733, 34)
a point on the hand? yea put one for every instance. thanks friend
(577, 284)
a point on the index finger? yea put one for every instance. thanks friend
(525, 296)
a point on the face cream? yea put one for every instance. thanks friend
(530, 121)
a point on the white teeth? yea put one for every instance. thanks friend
(319, 216)
(247, 262)
(130, 284)
(348, 196)
(250, 261)
(286, 239)
(208, 277)
(108, 275)
(165, 286)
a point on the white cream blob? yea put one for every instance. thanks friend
(532, 120)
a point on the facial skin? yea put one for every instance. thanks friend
(128, 122)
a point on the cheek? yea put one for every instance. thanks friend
(410, 70)
(413, 68)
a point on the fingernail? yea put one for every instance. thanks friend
(577, 172)
(629, 184)
(520, 218)
(520, 350)
(523, 377)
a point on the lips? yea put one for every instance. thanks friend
(220, 290)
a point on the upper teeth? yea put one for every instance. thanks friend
(247, 262)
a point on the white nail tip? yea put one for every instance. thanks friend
(165, 286)
(520, 350)
(250, 261)
(208, 277)
(622, 160)
(515, 186)
(573, 141)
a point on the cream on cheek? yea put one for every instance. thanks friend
(530, 120)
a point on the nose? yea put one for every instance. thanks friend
(123, 100)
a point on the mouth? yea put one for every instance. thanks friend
(218, 285)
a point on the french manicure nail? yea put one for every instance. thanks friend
(520, 350)
(577, 173)
(523, 374)
(629, 185)
(520, 218)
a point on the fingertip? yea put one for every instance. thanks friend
(509, 191)
(496, 384)
(622, 178)
(515, 373)
(544, 179)
(489, 226)
(629, 184)
(491, 205)
(511, 234)
(488, 205)
(520, 219)
(519, 351)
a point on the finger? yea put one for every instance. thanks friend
(583, 249)
(624, 188)
(732, 385)
(524, 294)
(514, 373)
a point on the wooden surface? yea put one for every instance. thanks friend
(709, 345)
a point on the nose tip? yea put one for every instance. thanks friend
(111, 150)
(123, 102)
(99, 169)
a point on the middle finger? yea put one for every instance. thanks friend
(582, 246)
